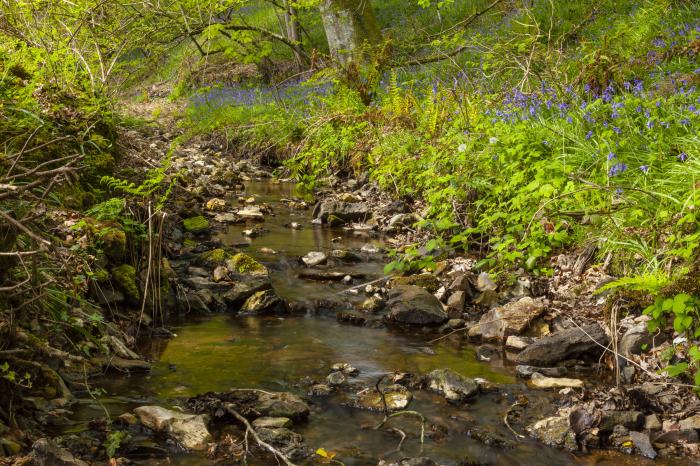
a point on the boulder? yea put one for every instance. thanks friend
(510, 319)
(333, 211)
(189, 430)
(567, 344)
(453, 386)
(518, 342)
(414, 306)
(642, 444)
(261, 302)
(628, 419)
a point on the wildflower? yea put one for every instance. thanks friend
(493, 140)
(589, 135)
(617, 169)
(462, 148)
(617, 130)
(682, 156)
(611, 155)
(644, 169)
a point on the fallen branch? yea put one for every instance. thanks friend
(365, 284)
(505, 417)
(250, 431)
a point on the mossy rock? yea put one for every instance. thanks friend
(124, 278)
(214, 257)
(114, 243)
(100, 276)
(427, 281)
(244, 264)
(196, 224)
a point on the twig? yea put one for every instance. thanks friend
(365, 284)
(258, 440)
(505, 419)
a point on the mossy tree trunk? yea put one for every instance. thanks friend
(348, 25)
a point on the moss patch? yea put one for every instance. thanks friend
(124, 278)
(243, 263)
(196, 224)
(427, 281)
(214, 257)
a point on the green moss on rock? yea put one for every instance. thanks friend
(124, 278)
(214, 257)
(243, 263)
(427, 281)
(196, 224)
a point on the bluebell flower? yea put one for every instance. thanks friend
(644, 168)
(589, 135)
(617, 169)
(682, 156)
(617, 130)
(611, 155)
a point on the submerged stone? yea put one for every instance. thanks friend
(453, 386)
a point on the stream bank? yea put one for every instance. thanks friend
(269, 295)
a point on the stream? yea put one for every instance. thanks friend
(219, 352)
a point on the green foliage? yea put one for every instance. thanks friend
(115, 439)
(6, 372)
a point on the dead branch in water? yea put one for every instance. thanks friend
(250, 431)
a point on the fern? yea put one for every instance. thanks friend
(651, 282)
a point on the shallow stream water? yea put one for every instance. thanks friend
(220, 352)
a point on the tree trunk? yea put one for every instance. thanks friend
(348, 25)
(293, 31)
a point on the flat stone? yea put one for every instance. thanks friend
(272, 422)
(642, 444)
(396, 397)
(510, 319)
(189, 430)
(314, 258)
(540, 381)
(228, 217)
(518, 343)
(567, 344)
(677, 435)
(453, 386)
(414, 306)
(527, 371)
(251, 213)
(46, 453)
(127, 365)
